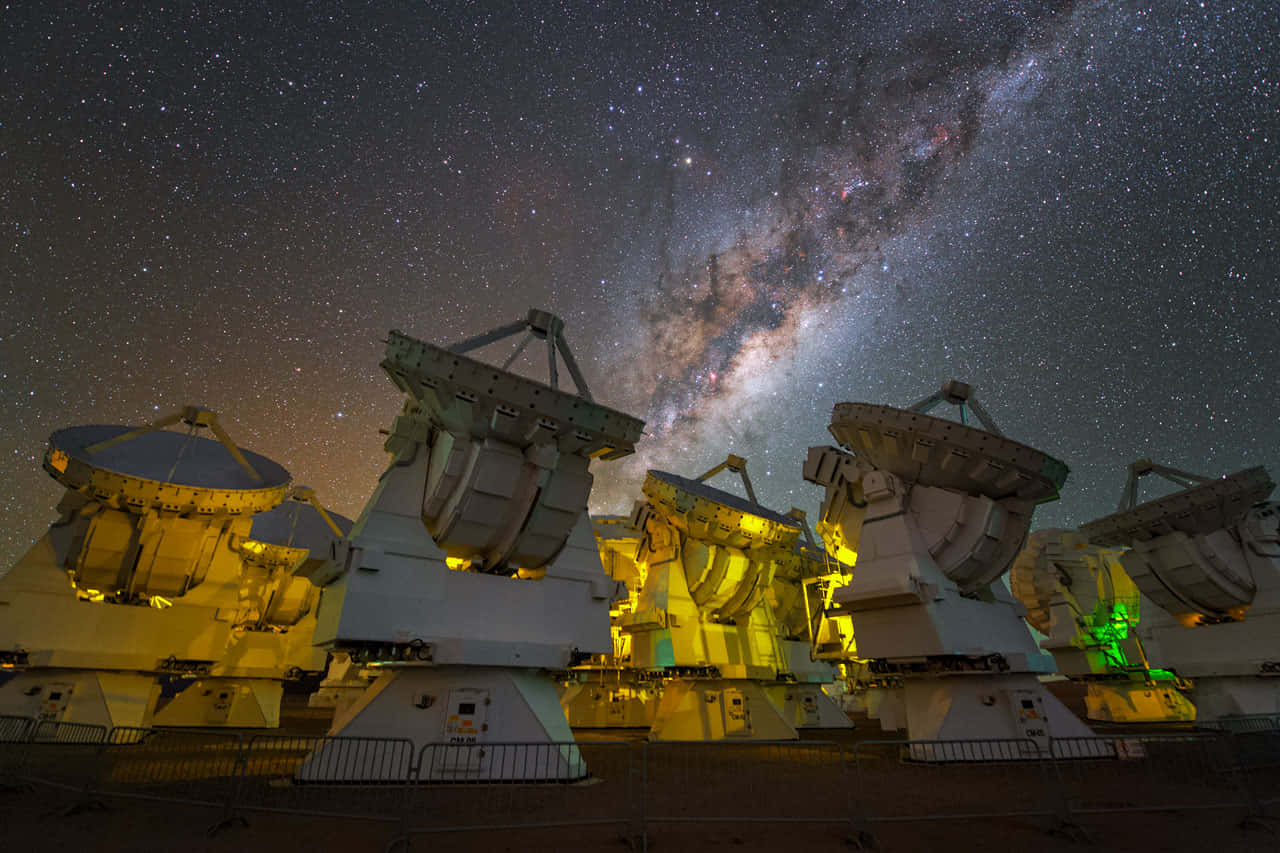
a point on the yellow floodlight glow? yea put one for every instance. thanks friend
(58, 460)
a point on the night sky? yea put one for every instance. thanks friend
(745, 213)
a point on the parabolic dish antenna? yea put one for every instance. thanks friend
(149, 467)
(717, 515)
(464, 394)
(300, 523)
(508, 473)
(932, 451)
(1199, 509)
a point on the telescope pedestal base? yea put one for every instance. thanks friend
(237, 703)
(614, 701)
(888, 705)
(1226, 696)
(99, 698)
(977, 707)
(476, 723)
(718, 709)
(343, 684)
(806, 705)
(1134, 702)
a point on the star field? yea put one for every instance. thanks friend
(743, 214)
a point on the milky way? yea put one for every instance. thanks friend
(744, 213)
(870, 140)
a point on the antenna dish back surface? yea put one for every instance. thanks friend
(718, 514)
(936, 452)
(166, 470)
(465, 395)
(295, 524)
(1198, 510)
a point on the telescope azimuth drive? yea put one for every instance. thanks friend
(936, 511)
(473, 569)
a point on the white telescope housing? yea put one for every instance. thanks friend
(936, 511)
(473, 567)
(1208, 556)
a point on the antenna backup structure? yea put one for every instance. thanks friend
(936, 511)
(1208, 557)
(473, 570)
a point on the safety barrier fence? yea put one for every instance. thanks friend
(778, 782)
(631, 788)
(15, 732)
(1245, 724)
(360, 778)
(1258, 760)
(523, 786)
(981, 779)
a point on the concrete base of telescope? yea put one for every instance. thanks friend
(888, 705)
(806, 705)
(616, 702)
(88, 697)
(1137, 702)
(980, 707)
(343, 684)
(1224, 697)
(705, 709)
(238, 703)
(471, 723)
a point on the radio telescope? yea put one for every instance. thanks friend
(144, 576)
(936, 511)
(473, 570)
(1079, 596)
(1208, 556)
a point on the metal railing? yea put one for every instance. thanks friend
(195, 767)
(1257, 760)
(62, 755)
(1147, 773)
(776, 782)
(359, 778)
(900, 780)
(631, 788)
(15, 732)
(523, 786)
(1244, 724)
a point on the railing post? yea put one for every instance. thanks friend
(87, 801)
(18, 732)
(633, 806)
(644, 795)
(1067, 823)
(860, 835)
(412, 777)
(230, 815)
(1231, 745)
